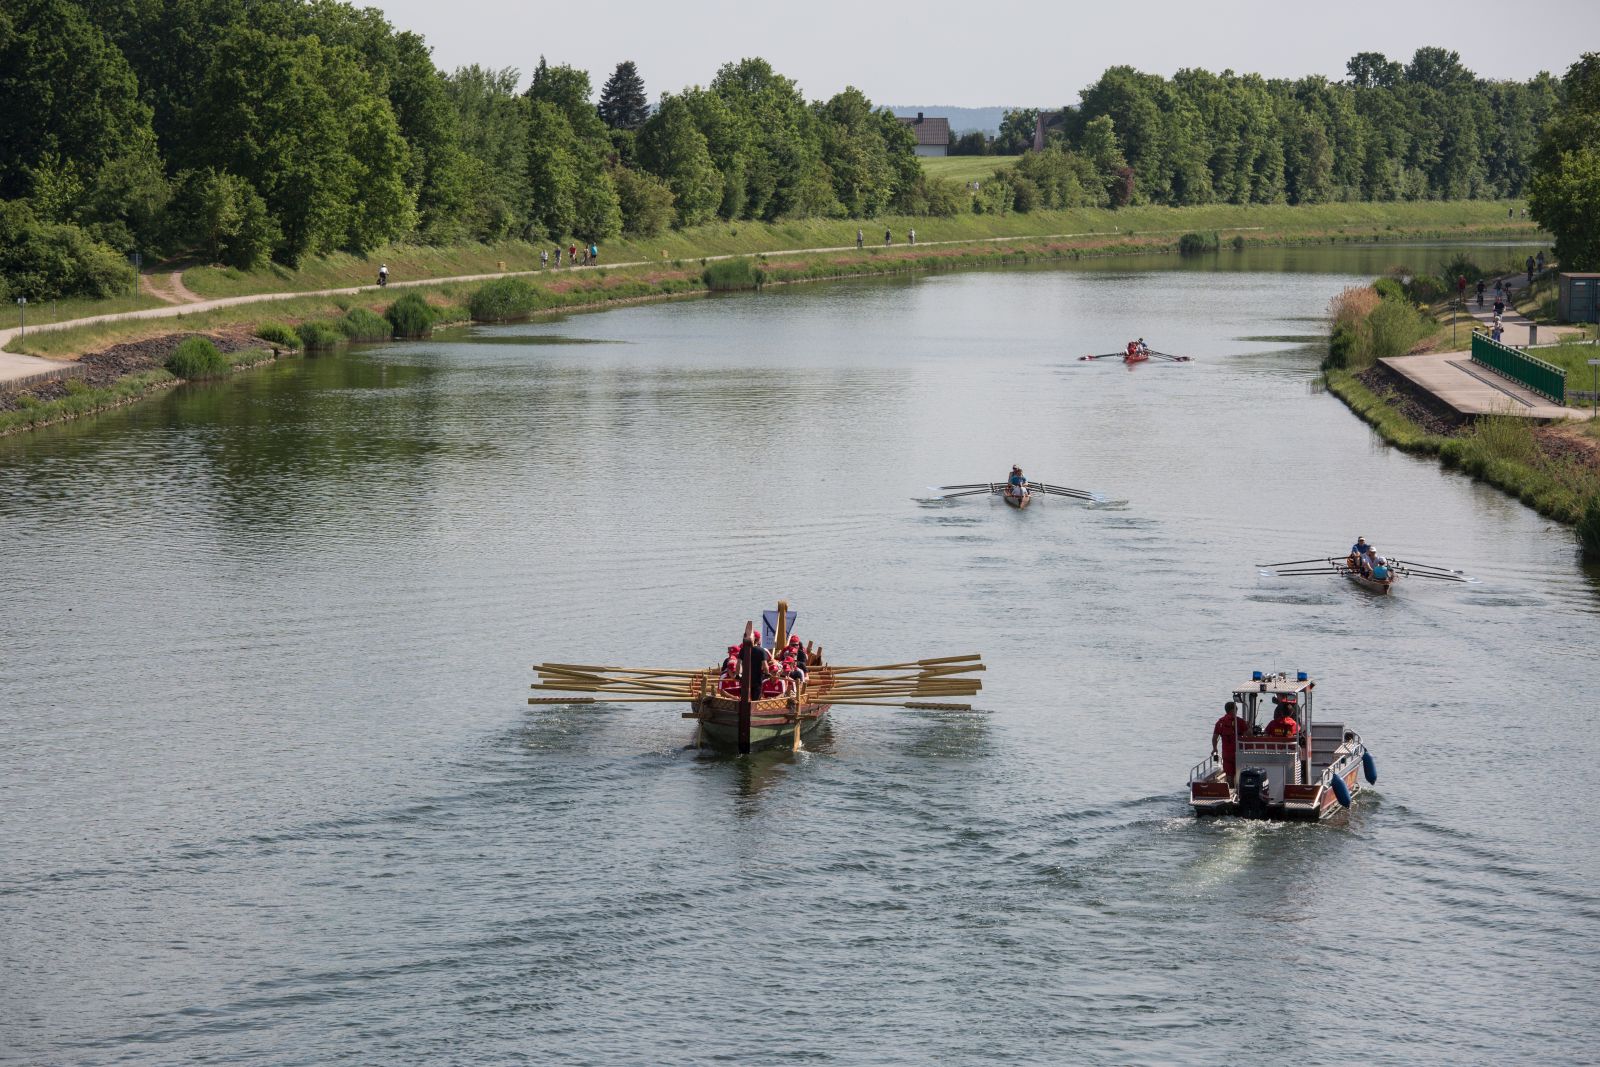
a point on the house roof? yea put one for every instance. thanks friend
(930, 131)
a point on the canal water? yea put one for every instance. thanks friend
(270, 793)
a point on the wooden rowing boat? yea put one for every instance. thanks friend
(1015, 501)
(772, 719)
(1383, 587)
(738, 707)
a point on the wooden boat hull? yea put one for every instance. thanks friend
(1371, 585)
(1016, 502)
(771, 721)
(1136, 359)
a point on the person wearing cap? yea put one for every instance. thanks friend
(1144, 349)
(1284, 724)
(1227, 731)
(1380, 566)
(730, 671)
(1018, 485)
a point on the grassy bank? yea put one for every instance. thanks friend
(1540, 466)
(1258, 224)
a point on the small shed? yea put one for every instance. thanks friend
(1579, 299)
(933, 134)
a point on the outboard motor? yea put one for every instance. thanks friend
(1255, 793)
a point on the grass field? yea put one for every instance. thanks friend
(964, 168)
(73, 307)
(1278, 221)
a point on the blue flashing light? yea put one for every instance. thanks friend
(1255, 676)
(1300, 677)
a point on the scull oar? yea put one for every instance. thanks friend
(1298, 562)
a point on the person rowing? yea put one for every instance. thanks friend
(1017, 485)
(1144, 349)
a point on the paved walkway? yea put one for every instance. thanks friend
(1471, 389)
(19, 366)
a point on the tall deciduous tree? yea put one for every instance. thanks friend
(623, 105)
(673, 148)
(1564, 193)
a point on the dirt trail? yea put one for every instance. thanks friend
(168, 287)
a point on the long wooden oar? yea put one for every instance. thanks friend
(1428, 566)
(1437, 577)
(1297, 562)
(974, 485)
(969, 492)
(1173, 358)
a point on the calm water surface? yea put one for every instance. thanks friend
(269, 792)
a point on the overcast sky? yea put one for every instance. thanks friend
(988, 52)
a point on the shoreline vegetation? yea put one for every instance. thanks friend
(1553, 468)
(308, 323)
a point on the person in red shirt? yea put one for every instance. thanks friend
(1283, 723)
(1227, 730)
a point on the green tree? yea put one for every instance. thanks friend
(492, 118)
(672, 147)
(645, 201)
(304, 125)
(1564, 191)
(623, 104)
(68, 98)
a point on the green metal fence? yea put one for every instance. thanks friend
(1546, 379)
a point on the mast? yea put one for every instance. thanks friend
(783, 621)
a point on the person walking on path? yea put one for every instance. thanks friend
(860, 239)
(1480, 293)
(1461, 288)
(544, 258)
(888, 237)
(1540, 261)
(913, 236)
(1530, 270)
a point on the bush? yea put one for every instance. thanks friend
(410, 316)
(1394, 326)
(43, 260)
(319, 336)
(1194, 244)
(502, 300)
(278, 334)
(1238, 242)
(1461, 265)
(1589, 526)
(1389, 289)
(197, 359)
(1428, 289)
(359, 324)
(733, 274)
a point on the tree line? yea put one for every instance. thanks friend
(248, 130)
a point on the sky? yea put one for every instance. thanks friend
(987, 52)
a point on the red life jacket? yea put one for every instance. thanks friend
(1282, 727)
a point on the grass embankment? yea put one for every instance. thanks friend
(1552, 469)
(1270, 223)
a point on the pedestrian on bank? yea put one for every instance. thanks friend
(1539, 262)
(1461, 287)
(558, 257)
(1530, 270)
(1481, 287)
(1498, 331)
(572, 255)
(888, 236)
(913, 236)
(860, 239)
(544, 258)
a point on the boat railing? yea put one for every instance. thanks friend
(1343, 763)
(1203, 770)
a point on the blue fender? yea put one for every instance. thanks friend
(1369, 767)
(1341, 791)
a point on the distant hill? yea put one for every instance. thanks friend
(962, 119)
